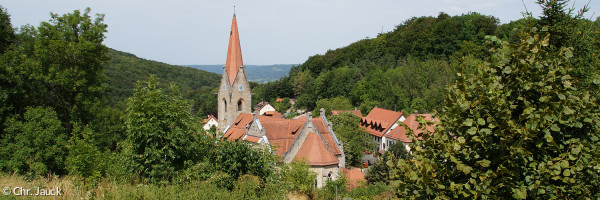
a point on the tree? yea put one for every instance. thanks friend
(84, 157)
(237, 158)
(299, 177)
(520, 129)
(159, 132)
(356, 140)
(57, 65)
(7, 33)
(35, 144)
(337, 103)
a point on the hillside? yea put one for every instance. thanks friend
(405, 69)
(255, 73)
(123, 70)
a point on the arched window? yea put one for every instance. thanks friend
(225, 104)
(240, 105)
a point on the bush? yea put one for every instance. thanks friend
(34, 144)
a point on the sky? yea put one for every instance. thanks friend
(187, 32)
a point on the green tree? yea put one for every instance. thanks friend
(299, 177)
(301, 83)
(337, 103)
(521, 129)
(160, 132)
(35, 144)
(83, 158)
(57, 65)
(7, 33)
(355, 139)
(237, 158)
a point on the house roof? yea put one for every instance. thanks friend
(208, 119)
(281, 132)
(355, 112)
(274, 114)
(260, 105)
(251, 138)
(353, 177)
(379, 121)
(399, 133)
(234, 52)
(315, 152)
(327, 136)
(238, 128)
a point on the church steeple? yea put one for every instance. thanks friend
(234, 53)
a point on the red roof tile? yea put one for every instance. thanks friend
(281, 132)
(315, 152)
(324, 131)
(379, 120)
(234, 52)
(252, 138)
(399, 133)
(353, 177)
(355, 112)
(238, 128)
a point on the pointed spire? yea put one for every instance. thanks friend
(234, 53)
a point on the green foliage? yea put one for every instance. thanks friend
(337, 103)
(282, 106)
(159, 132)
(333, 189)
(57, 65)
(7, 34)
(237, 158)
(123, 70)
(298, 177)
(247, 186)
(356, 140)
(84, 157)
(522, 129)
(35, 143)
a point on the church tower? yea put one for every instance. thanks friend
(234, 92)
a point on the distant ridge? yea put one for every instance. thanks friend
(255, 73)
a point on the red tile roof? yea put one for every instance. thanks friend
(355, 112)
(238, 128)
(324, 131)
(281, 132)
(399, 133)
(208, 119)
(234, 52)
(354, 177)
(274, 114)
(379, 120)
(252, 138)
(315, 152)
(278, 100)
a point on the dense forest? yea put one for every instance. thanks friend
(123, 70)
(518, 105)
(405, 69)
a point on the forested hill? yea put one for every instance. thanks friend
(123, 70)
(407, 68)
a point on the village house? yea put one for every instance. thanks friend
(379, 122)
(384, 126)
(303, 139)
(263, 107)
(209, 122)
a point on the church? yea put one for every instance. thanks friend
(305, 138)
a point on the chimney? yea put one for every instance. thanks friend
(309, 123)
(322, 112)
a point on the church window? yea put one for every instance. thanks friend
(240, 105)
(225, 104)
